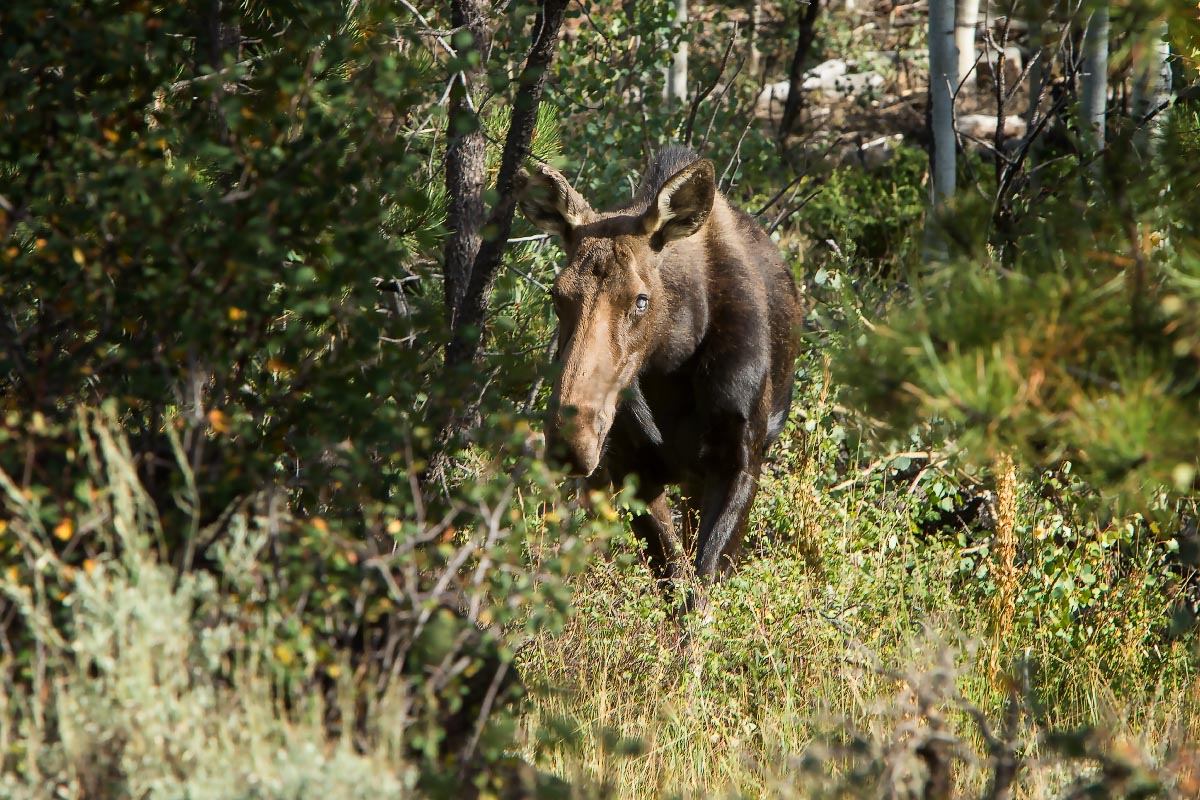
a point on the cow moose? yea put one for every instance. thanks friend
(678, 334)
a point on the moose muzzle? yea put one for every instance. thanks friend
(575, 437)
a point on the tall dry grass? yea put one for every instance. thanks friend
(870, 673)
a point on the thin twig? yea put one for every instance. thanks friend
(717, 105)
(439, 39)
(737, 150)
(930, 455)
(704, 92)
(792, 209)
(179, 86)
(778, 195)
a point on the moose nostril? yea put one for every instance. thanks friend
(570, 460)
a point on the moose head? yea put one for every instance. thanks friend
(612, 307)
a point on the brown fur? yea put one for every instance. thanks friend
(693, 388)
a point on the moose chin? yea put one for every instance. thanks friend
(678, 334)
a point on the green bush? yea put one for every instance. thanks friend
(869, 219)
(212, 421)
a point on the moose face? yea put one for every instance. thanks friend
(611, 303)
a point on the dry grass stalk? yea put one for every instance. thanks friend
(1004, 553)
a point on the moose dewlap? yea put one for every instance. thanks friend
(677, 340)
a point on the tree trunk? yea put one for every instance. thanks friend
(1151, 93)
(1039, 54)
(1093, 84)
(964, 40)
(755, 57)
(476, 245)
(464, 345)
(943, 80)
(219, 36)
(806, 20)
(677, 75)
(466, 171)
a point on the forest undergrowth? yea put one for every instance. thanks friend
(275, 520)
(863, 627)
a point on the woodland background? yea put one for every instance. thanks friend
(274, 353)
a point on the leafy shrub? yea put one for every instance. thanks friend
(871, 218)
(211, 435)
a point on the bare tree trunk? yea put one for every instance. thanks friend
(943, 80)
(755, 58)
(466, 171)
(964, 40)
(1152, 93)
(806, 20)
(1040, 38)
(220, 35)
(464, 346)
(1039, 54)
(1093, 84)
(477, 244)
(677, 75)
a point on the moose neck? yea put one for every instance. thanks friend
(687, 269)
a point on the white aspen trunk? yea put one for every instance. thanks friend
(755, 25)
(1152, 91)
(964, 40)
(1093, 82)
(943, 80)
(677, 76)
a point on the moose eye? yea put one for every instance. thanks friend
(642, 303)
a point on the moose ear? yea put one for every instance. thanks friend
(683, 203)
(549, 202)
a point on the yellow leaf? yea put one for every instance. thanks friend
(111, 135)
(236, 314)
(89, 566)
(333, 670)
(77, 254)
(3, 525)
(64, 530)
(218, 420)
(284, 654)
(320, 525)
(12, 574)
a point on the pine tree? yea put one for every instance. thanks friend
(1081, 343)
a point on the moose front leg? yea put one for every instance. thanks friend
(729, 491)
(664, 549)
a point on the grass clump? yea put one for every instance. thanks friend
(876, 649)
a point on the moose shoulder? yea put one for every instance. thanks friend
(677, 341)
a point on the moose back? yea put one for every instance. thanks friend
(678, 333)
